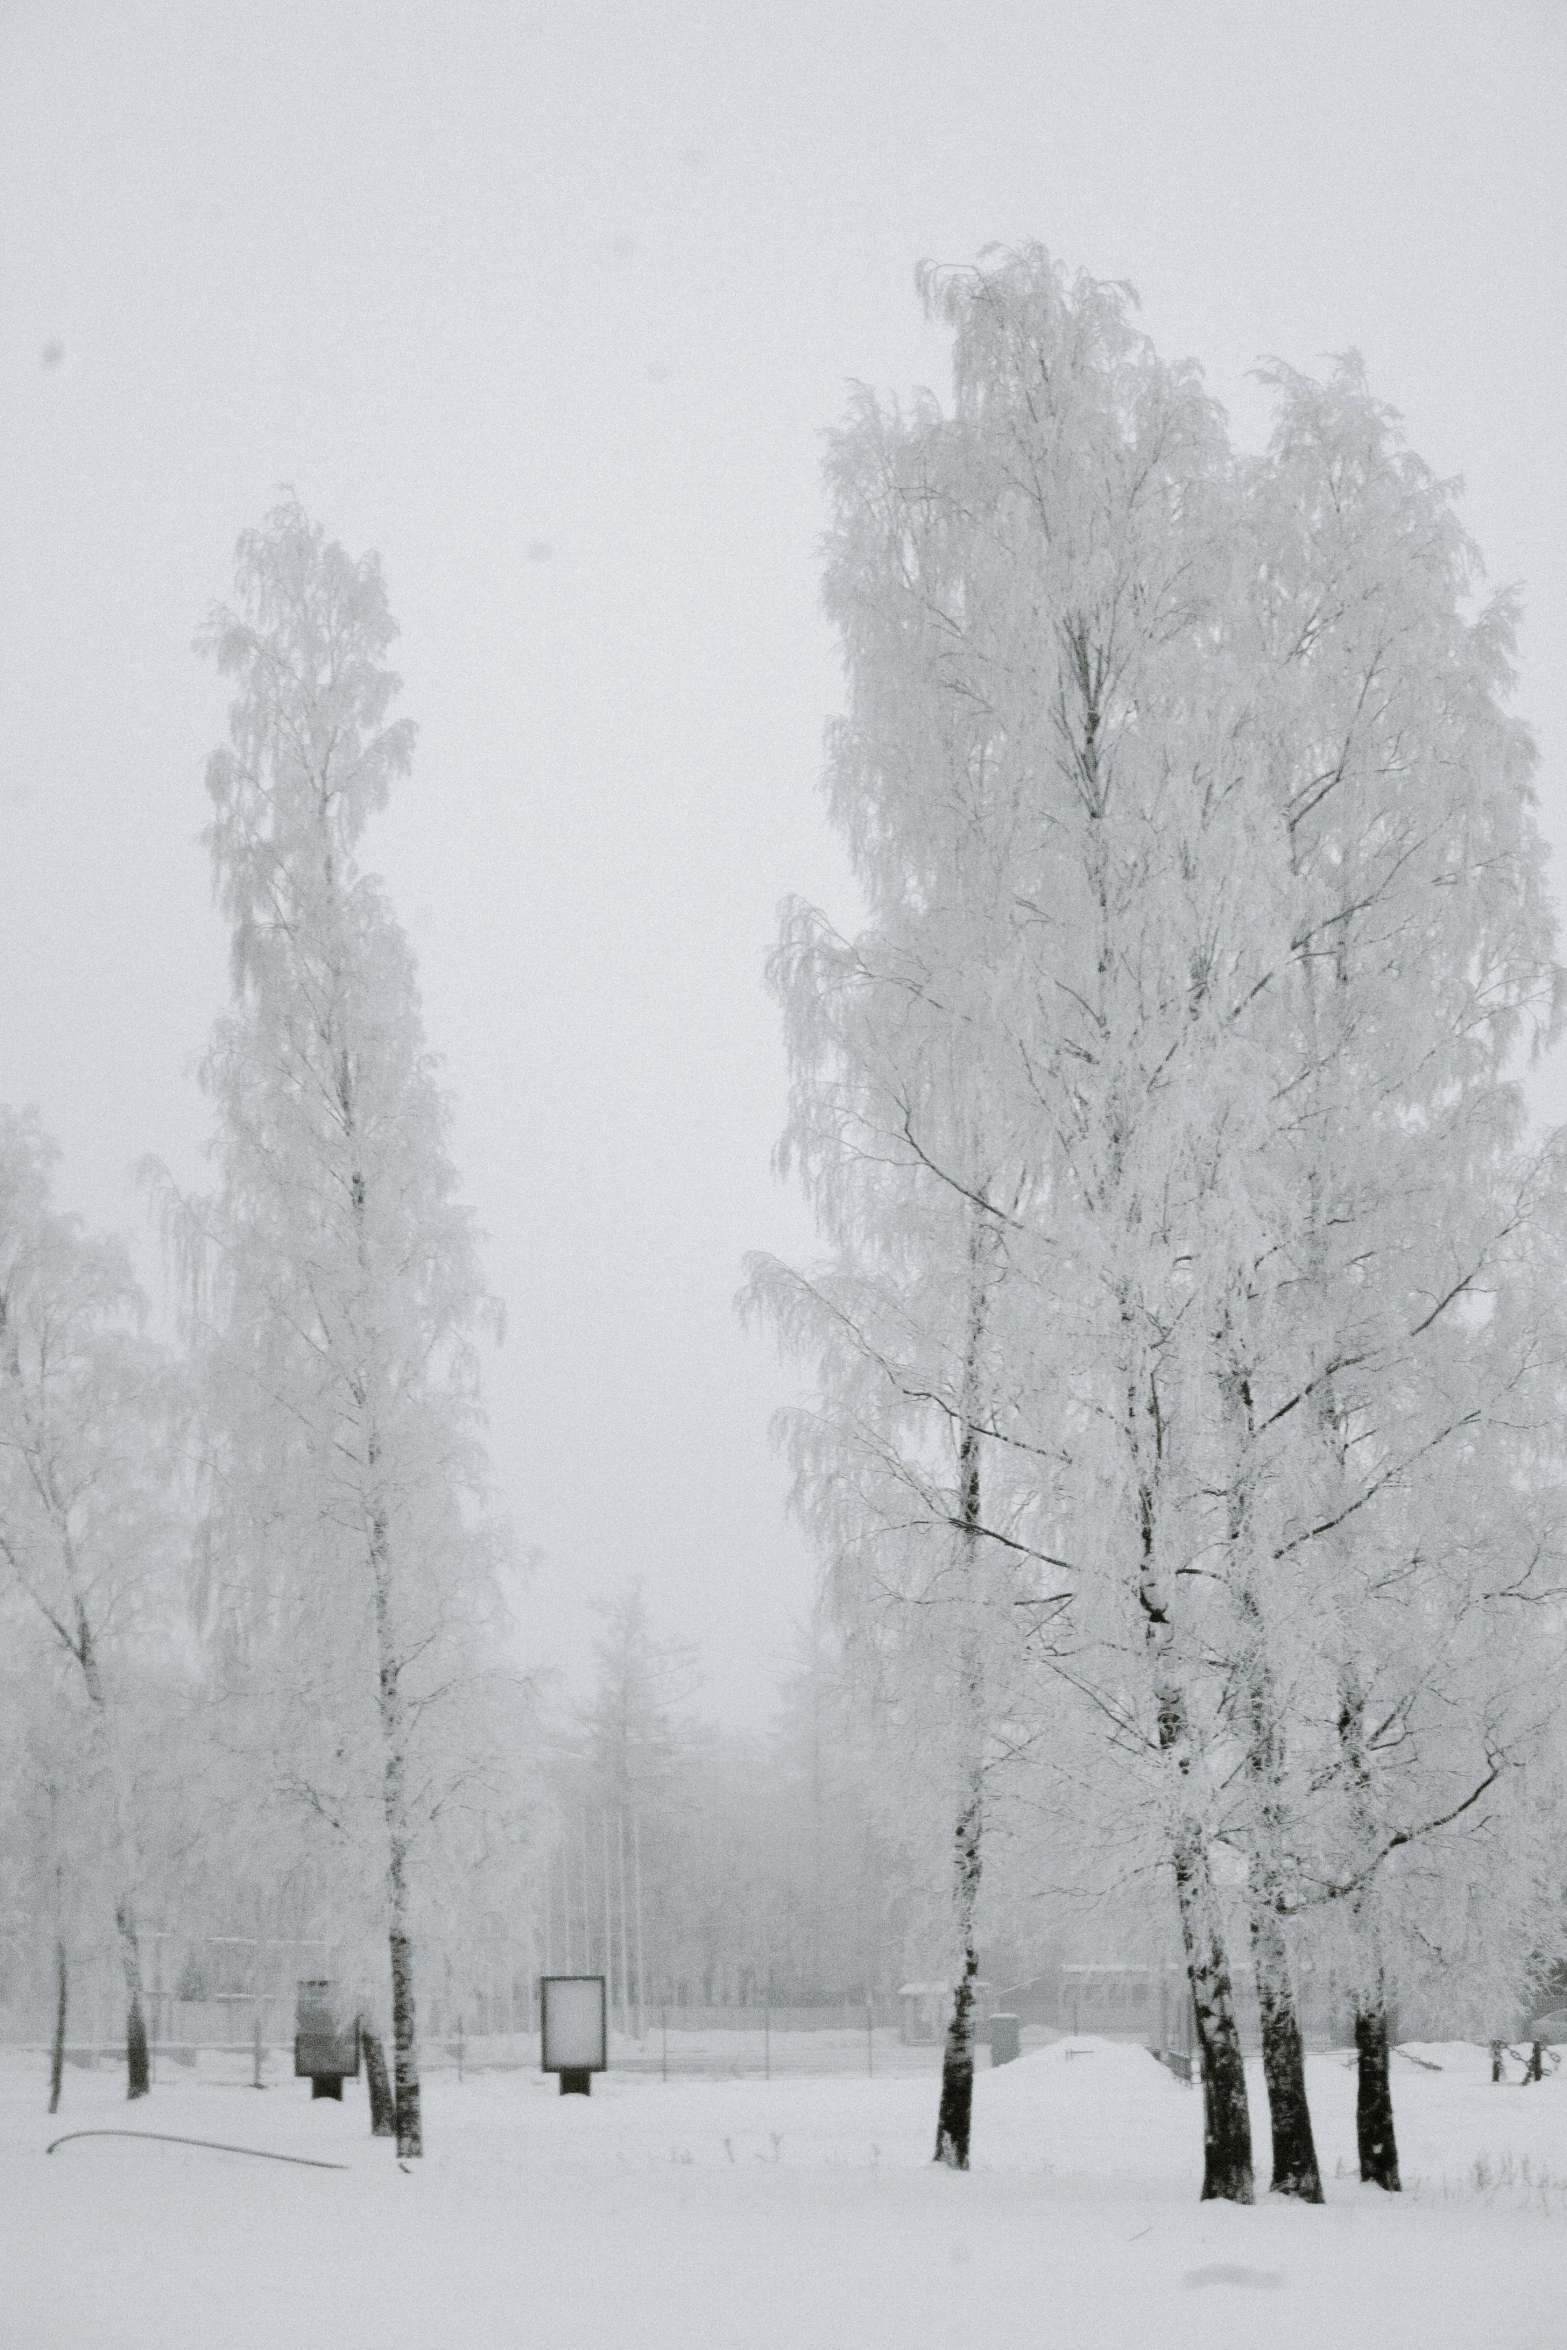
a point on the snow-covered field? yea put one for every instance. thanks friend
(796, 2214)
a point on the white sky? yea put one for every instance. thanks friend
(550, 303)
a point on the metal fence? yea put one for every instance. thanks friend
(223, 2005)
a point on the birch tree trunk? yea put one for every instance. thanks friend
(383, 2120)
(957, 2069)
(1295, 2169)
(957, 2065)
(57, 2048)
(1226, 2117)
(138, 2071)
(1227, 2154)
(394, 1772)
(365, 1382)
(405, 2049)
(138, 2075)
(1376, 2139)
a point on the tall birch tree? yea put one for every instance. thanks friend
(910, 1470)
(334, 1278)
(87, 1534)
(1098, 499)
(1207, 923)
(1395, 1365)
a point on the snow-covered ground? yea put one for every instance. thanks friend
(796, 2214)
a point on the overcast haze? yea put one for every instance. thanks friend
(550, 305)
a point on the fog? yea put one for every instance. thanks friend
(551, 307)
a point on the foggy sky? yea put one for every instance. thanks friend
(550, 305)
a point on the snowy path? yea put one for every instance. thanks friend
(791, 2215)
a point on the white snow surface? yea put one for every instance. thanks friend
(796, 2214)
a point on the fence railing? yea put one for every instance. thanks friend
(212, 2039)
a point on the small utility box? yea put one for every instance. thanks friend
(574, 2030)
(1006, 2042)
(326, 2038)
(923, 2010)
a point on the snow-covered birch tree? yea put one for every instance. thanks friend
(909, 1469)
(334, 1278)
(1207, 925)
(87, 1534)
(1098, 486)
(1394, 1360)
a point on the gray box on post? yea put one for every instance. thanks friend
(1006, 2043)
(574, 2030)
(326, 2038)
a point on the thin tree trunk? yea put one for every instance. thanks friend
(392, 1710)
(1295, 2170)
(138, 2075)
(258, 1977)
(57, 2049)
(957, 2066)
(405, 2045)
(383, 2113)
(1375, 2135)
(1226, 2118)
(609, 1928)
(636, 1862)
(955, 2113)
(61, 1964)
(1374, 2138)
(405, 2042)
(625, 1926)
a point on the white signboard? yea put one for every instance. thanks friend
(573, 2024)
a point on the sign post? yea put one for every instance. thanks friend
(326, 2038)
(573, 2030)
